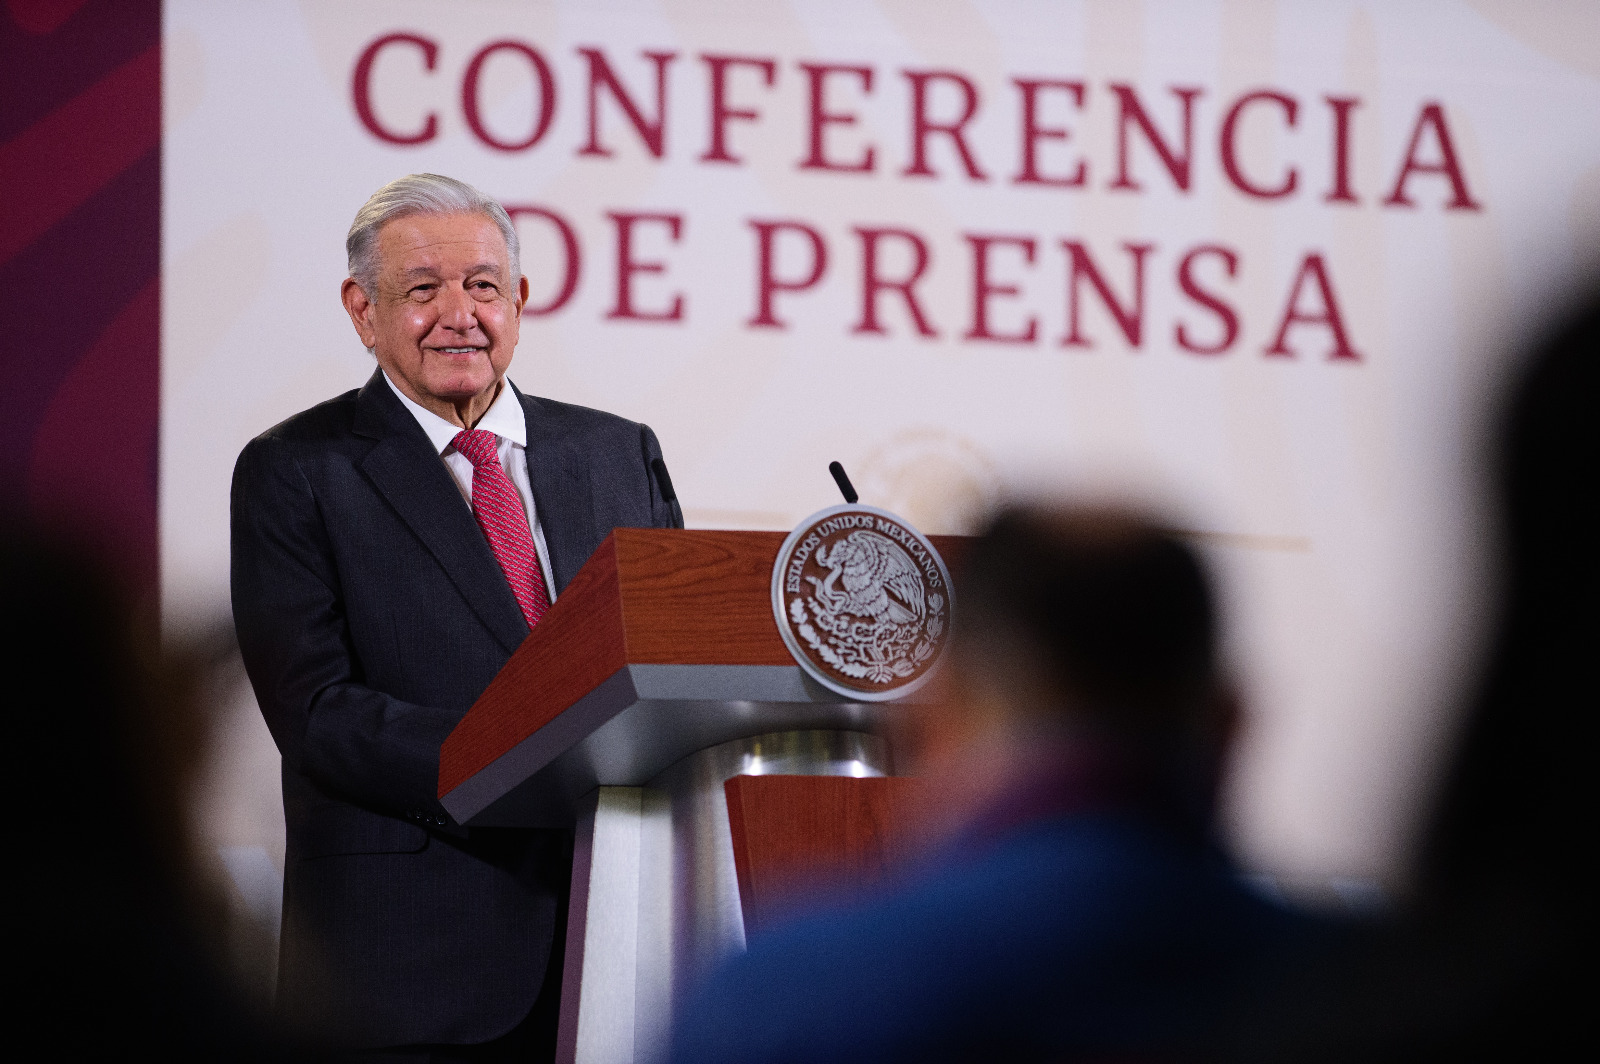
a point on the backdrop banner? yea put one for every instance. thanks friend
(80, 198)
(1263, 264)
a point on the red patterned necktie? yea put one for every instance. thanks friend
(500, 514)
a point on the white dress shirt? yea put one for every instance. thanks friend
(507, 420)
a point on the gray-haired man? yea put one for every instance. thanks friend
(391, 548)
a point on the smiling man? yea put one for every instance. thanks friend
(391, 548)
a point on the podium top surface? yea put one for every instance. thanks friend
(647, 597)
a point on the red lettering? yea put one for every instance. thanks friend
(1177, 163)
(821, 117)
(983, 289)
(872, 284)
(922, 125)
(627, 266)
(361, 89)
(721, 113)
(1033, 133)
(653, 133)
(768, 283)
(1129, 319)
(1230, 158)
(572, 260)
(1212, 302)
(1342, 106)
(1313, 268)
(1432, 117)
(547, 95)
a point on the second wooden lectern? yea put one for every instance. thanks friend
(657, 675)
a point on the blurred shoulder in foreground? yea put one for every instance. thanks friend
(106, 912)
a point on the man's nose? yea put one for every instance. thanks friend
(459, 312)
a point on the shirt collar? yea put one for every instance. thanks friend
(505, 418)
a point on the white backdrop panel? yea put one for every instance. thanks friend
(1332, 483)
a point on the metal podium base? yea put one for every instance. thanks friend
(655, 899)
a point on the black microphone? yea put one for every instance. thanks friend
(663, 481)
(845, 487)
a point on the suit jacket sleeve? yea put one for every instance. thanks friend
(665, 513)
(293, 633)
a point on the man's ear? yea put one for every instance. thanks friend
(522, 292)
(359, 307)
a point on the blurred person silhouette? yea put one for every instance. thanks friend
(1076, 907)
(1488, 959)
(109, 921)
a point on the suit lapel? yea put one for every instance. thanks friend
(562, 497)
(406, 470)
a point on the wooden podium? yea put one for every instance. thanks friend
(657, 676)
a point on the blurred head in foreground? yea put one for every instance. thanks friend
(1516, 797)
(1498, 948)
(1086, 643)
(1072, 907)
(1491, 959)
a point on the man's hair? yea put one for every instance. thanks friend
(420, 194)
(1116, 613)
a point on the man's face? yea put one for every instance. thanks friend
(445, 317)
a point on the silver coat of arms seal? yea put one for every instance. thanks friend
(863, 602)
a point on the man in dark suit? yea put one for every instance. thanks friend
(391, 548)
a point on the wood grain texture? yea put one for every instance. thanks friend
(699, 597)
(804, 840)
(648, 596)
(577, 645)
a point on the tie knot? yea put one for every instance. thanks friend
(479, 445)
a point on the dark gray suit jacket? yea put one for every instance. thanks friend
(371, 613)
